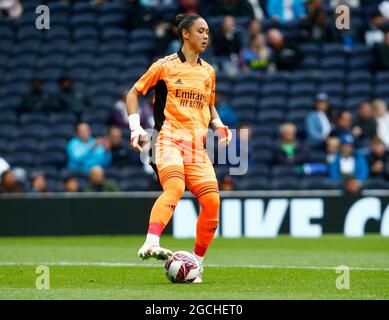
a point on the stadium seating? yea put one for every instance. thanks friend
(94, 46)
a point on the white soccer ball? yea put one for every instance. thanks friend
(182, 267)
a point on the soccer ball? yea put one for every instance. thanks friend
(182, 267)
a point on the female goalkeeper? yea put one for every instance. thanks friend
(184, 86)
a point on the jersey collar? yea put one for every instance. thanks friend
(183, 59)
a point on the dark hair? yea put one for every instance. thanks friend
(185, 21)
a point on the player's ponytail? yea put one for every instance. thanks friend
(185, 21)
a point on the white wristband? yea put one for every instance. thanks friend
(134, 121)
(217, 123)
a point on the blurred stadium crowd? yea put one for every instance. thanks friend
(313, 98)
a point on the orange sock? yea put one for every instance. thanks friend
(173, 184)
(208, 195)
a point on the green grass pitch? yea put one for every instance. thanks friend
(281, 268)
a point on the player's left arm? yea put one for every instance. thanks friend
(222, 130)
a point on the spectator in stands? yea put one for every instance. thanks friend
(120, 152)
(374, 34)
(381, 53)
(286, 11)
(289, 151)
(285, 56)
(38, 183)
(348, 163)
(11, 8)
(378, 159)
(4, 166)
(227, 40)
(315, 27)
(36, 100)
(237, 8)
(257, 56)
(98, 183)
(71, 184)
(382, 117)
(317, 123)
(68, 99)
(332, 148)
(189, 6)
(254, 27)
(146, 113)
(9, 183)
(119, 113)
(227, 183)
(85, 151)
(226, 112)
(364, 126)
(343, 124)
(352, 186)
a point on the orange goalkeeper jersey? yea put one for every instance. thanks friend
(183, 94)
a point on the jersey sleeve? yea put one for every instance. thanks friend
(150, 78)
(213, 90)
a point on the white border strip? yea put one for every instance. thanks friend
(151, 265)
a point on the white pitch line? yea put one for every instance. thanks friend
(149, 265)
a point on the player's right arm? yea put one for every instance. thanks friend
(132, 101)
(142, 86)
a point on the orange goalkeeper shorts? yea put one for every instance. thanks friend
(190, 155)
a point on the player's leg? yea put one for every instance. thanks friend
(168, 163)
(201, 180)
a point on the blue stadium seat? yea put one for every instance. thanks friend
(296, 116)
(335, 89)
(280, 171)
(352, 103)
(24, 60)
(262, 142)
(359, 76)
(7, 32)
(53, 158)
(62, 118)
(382, 76)
(37, 131)
(142, 47)
(299, 76)
(113, 46)
(83, 7)
(136, 184)
(262, 156)
(274, 89)
(83, 19)
(244, 102)
(333, 49)
(81, 60)
(8, 117)
(49, 172)
(56, 46)
(31, 46)
(310, 62)
(114, 34)
(270, 115)
(58, 32)
(22, 159)
(10, 102)
(86, 33)
(53, 60)
(89, 46)
(382, 89)
(375, 183)
(302, 89)
(112, 20)
(272, 103)
(110, 60)
(33, 118)
(142, 34)
(310, 48)
(317, 156)
(54, 144)
(26, 144)
(364, 62)
(333, 62)
(29, 32)
(259, 170)
(312, 183)
(252, 183)
(359, 89)
(278, 76)
(330, 76)
(241, 89)
(300, 103)
(284, 183)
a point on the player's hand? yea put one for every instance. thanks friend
(137, 131)
(223, 132)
